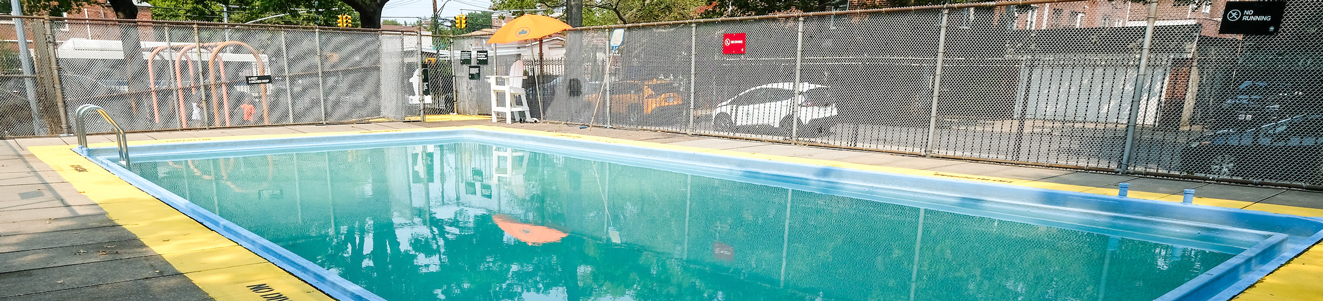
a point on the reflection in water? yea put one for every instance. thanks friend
(534, 235)
(477, 222)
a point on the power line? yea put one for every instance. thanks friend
(471, 4)
(401, 3)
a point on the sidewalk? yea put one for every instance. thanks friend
(57, 244)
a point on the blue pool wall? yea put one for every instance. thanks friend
(1268, 239)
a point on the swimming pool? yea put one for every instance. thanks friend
(481, 214)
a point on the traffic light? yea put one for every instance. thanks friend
(344, 21)
(461, 21)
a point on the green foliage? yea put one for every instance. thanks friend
(633, 11)
(48, 8)
(297, 12)
(476, 21)
(610, 12)
(391, 22)
(734, 8)
(9, 63)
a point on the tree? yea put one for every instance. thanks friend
(290, 12)
(643, 11)
(735, 8)
(48, 8)
(610, 12)
(476, 21)
(369, 11)
(134, 63)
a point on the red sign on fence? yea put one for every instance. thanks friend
(732, 43)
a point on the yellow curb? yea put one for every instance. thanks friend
(217, 265)
(447, 117)
(240, 282)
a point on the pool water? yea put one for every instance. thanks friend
(467, 221)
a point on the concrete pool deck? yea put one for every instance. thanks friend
(59, 239)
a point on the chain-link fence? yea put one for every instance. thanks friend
(27, 104)
(1102, 85)
(1086, 84)
(170, 75)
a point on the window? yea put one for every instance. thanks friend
(663, 88)
(819, 97)
(1055, 21)
(1308, 126)
(625, 88)
(774, 95)
(969, 18)
(750, 97)
(61, 25)
(1078, 18)
(1106, 21)
(1030, 16)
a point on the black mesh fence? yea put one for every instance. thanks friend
(184, 76)
(1082, 84)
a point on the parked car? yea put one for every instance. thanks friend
(645, 102)
(771, 105)
(1255, 103)
(1289, 150)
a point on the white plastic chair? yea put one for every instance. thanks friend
(513, 87)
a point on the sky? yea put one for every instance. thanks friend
(410, 10)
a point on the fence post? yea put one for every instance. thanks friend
(537, 79)
(46, 59)
(1141, 87)
(321, 80)
(454, 76)
(289, 94)
(423, 73)
(799, 93)
(170, 51)
(29, 76)
(197, 40)
(693, 55)
(606, 77)
(1024, 109)
(937, 85)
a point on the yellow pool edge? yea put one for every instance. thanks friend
(226, 270)
(220, 267)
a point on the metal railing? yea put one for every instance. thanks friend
(121, 140)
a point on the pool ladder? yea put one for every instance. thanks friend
(81, 129)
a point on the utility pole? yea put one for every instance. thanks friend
(29, 77)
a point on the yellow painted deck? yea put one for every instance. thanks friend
(227, 271)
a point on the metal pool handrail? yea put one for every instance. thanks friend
(121, 140)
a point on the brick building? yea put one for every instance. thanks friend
(101, 10)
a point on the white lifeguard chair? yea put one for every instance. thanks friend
(512, 87)
(508, 168)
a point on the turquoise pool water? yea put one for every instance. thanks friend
(421, 222)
